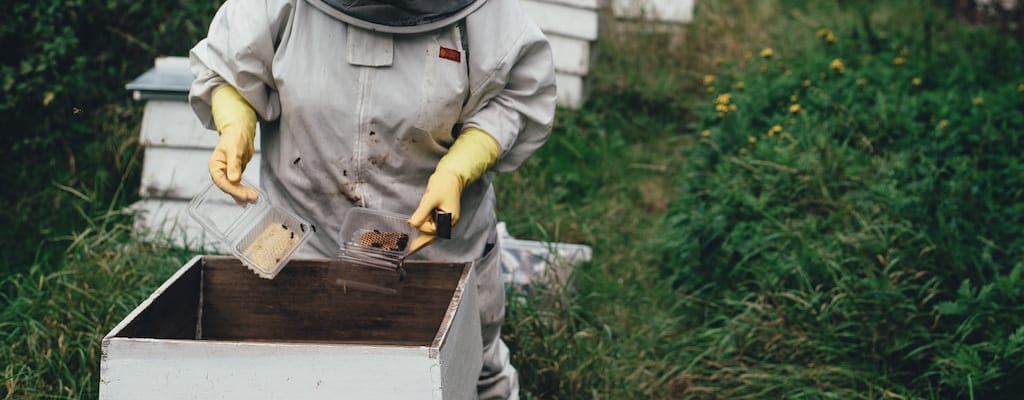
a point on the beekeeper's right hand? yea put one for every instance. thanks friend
(236, 123)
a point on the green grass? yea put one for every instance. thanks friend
(54, 316)
(863, 252)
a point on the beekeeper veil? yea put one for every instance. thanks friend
(398, 16)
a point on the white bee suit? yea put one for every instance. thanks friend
(352, 116)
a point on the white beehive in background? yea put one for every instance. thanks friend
(572, 27)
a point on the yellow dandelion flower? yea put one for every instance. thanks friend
(751, 139)
(979, 101)
(795, 108)
(830, 38)
(723, 98)
(899, 60)
(862, 81)
(836, 65)
(916, 81)
(767, 52)
(711, 89)
(943, 123)
(705, 133)
(732, 107)
(776, 129)
(793, 98)
(823, 32)
(806, 83)
(740, 85)
(722, 108)
(708, 80)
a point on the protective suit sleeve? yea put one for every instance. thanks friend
(513, 98)
(238, 51)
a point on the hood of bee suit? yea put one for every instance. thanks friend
(398, 16)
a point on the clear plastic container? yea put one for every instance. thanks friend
(263, 236)
(375, 238)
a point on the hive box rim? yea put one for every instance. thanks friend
(196, 262)
(171, 368)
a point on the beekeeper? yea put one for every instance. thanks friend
(398, 105)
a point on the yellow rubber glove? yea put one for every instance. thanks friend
(236, 122)
(472, 154)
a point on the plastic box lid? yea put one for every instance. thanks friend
(263, 236)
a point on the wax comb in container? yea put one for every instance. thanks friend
(263, 236)
(375, 238)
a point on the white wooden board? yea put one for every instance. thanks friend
(572, 90)
(165, 369)
(179, 369)
(181, 173)
(167, 221)
(461, 350)
(572, 56)
(674, 11)
(587, 4)
(173, 124)
(171, 63)
(561, 19)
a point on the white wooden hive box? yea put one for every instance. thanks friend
(214, 330)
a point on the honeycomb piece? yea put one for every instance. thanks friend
(271, 245)
(388, 240)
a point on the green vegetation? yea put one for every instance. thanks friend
(847, 224)
(868, 247)
(70, 148)
(853, 215)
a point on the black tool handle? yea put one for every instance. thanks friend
(443, 221)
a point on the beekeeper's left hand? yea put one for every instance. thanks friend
(473, 152)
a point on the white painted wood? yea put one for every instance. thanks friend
(173, 124)
(674, 11)
(175, 64)
(562, 19)
(460, 346)
(587, 4)
(571, 90)
(191, 369)
(572, 56)
(158, 369)
(167, 221)
(180, 173)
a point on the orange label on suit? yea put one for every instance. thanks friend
(450, 54)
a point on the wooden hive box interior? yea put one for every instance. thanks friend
(309, 301)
